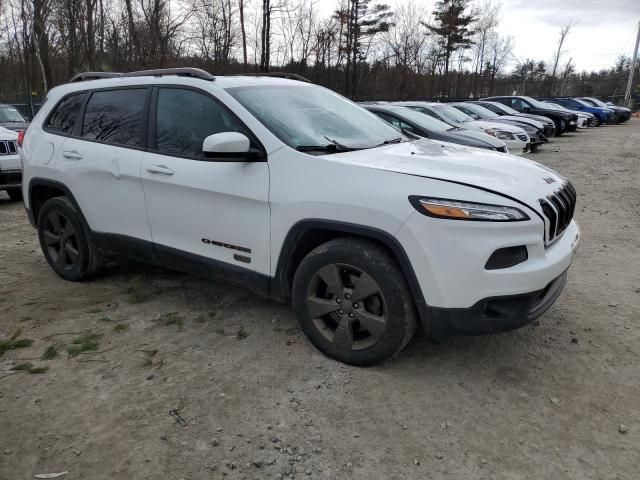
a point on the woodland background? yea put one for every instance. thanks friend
(364, 49)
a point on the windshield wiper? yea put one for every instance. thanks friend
(393, 140)
(318, 148)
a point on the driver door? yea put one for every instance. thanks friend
(207, 216)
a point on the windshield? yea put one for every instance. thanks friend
(582, 102)
(452, 114)
(536, 103)
(480, 111)
(423, 121)
(505, 108)
(308, 115)
(10, 115)
(597, 102)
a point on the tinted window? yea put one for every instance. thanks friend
(64, 116)
(115, 116)
(185, 118)
(395, 121)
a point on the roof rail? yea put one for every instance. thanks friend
(81, 77)
(160, 72)
(290, 76)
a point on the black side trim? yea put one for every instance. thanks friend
(174, 259)
(214, 269)
(280, 285)
(129, 247)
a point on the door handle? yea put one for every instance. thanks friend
(160, 169)
(72, 155)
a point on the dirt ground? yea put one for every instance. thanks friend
(188, 379)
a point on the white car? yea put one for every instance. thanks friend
(10, 167)
(297, 193)
(516, 138)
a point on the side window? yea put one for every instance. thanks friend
(64, 116)
(115, 116)
(185, 118)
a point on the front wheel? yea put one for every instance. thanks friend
(66, 242)
(353, 303)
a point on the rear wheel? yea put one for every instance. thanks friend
(352, 301)
(66, 242)
(15, 194)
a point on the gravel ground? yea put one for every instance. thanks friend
(188, 379)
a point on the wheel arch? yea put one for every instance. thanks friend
(306, 235)
(41, 190)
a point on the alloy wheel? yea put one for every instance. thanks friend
(61, 240)
(347, 306)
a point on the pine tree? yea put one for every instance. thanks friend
(360, 21)
(453, 29)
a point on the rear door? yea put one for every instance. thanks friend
(206, 215)
(101, 162)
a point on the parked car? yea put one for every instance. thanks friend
(584, 119)
(300, 194)
(502, 110)
(515, 138)
(11, 118)
(622, 114)
(602, 114)
(411, 121)
(10, 166)
(534, 129)
(565, 122)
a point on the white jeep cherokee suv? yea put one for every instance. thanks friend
(298, 193)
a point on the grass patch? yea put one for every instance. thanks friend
(87, 342)
(38, 370)
(28, 367)
(121, 327)
(242, 334)
(139, 291)
(12, 344)
(49, 353)
(171, 318)
(21, 367)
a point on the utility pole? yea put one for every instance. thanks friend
(627, 95)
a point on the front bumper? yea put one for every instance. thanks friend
(10, 179)
(492, 315)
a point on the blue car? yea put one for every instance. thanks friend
(603, 115)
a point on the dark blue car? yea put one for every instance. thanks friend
(604, 115)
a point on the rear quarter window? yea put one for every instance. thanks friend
(64, 115)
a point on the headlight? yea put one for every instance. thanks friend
(500, 134)
(458, 210)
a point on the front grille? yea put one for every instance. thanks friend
(558, 208)
(8, 147)
(522, 137)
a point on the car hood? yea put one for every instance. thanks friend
(527, 121)
(478, 135)
(509, 175)
(538, 118)
(6, 134)
(16, 126)
(485, 125)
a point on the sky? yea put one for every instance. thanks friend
(602, 29)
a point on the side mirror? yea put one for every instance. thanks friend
(229, 146)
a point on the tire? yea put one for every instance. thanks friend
(15, 194)
(77, 258)
(596, 122)
(353, 303)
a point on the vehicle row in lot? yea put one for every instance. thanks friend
(300, 194)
